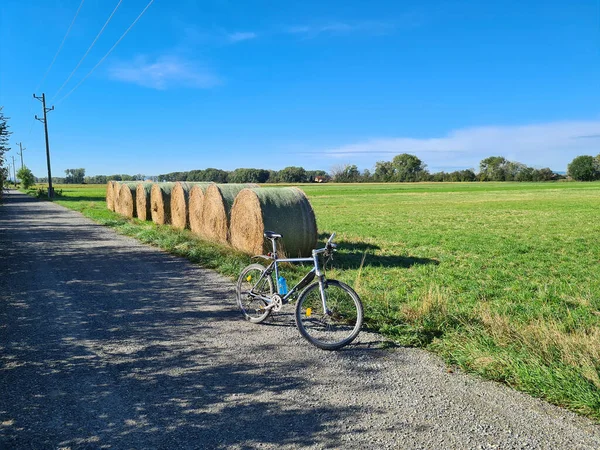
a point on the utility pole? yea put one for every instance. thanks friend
(21, 152)
(45, 122)
(14, 175)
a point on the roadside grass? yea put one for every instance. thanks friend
(500, 279)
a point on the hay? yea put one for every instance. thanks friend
(116, 189)
(195, 206)
(180, 201)
(142, 201)
(286, 211)
(218, 201)
(160, 203)
(110, 195)
(127, 199)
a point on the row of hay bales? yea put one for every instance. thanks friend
(236, 214)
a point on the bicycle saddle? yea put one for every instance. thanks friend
(272, 235)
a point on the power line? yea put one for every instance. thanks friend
(53, 60)
(108, 53)
(88, 50)
(60, 46)
(32, 122)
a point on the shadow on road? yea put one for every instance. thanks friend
(105, 346)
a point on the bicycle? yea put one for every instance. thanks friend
(328, 314)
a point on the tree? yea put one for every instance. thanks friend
(4, 147)
(26, 177)
(273, 176)
(366, 176)
(384, 171)
(408, 167)
(346, 174)
(75, 176)
(216, 175)
(98, 179)
(584, 168)
(249, 176)
(545, 174)
(525, 174)
(493, 168)
(468, 175)
(292, 174)
(513, 170)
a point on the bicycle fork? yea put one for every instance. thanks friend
(321, 283)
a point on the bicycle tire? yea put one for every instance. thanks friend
(338, 328)
(253, 308)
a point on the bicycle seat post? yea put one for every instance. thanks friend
(274, 242)
(273, 238)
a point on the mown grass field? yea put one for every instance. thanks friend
(501, 279)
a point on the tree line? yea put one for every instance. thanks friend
(402, 168)
(290, 174)
(77, 176)
(409, 168)
(287, 175)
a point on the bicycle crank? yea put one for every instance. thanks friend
(276, 303)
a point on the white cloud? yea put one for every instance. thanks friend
(338, 28)
(164, 73)
(552, 145)
(241, 36)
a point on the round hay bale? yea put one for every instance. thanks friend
(127, 199)
(195, 207)
(179, 203)
(216, 211)
(110, 195)
(142, 200)
(116, 189)
(286, 211)
(160, 203)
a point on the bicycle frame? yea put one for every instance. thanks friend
(305, 281)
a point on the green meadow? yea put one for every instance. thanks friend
(500, 279)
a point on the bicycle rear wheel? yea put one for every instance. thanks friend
(336, 327)
(250, 288)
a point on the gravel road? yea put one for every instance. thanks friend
(109, 343)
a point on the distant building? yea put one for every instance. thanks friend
(320, 179)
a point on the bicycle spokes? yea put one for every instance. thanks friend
(338, 324)
(253, 288)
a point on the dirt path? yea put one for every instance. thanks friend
(108, 343)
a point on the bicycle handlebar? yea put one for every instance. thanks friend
(329, 246)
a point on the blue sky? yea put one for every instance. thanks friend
(269, 84)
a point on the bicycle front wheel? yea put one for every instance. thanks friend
(339, 324)
(252, 287)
